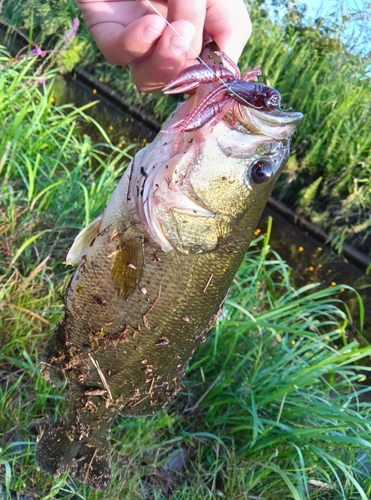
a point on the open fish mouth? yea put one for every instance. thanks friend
(277, 124)
(279, 116)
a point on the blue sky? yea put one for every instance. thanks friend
(316, 7)
(325, 7)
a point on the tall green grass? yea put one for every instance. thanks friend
(273, 404)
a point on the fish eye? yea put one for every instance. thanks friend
(261, 171)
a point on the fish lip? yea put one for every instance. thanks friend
(277, 124)
(278, 116)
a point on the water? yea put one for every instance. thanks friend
(120, 126)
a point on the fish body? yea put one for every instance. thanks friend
(153, 272)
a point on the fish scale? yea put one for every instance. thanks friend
(152, 274)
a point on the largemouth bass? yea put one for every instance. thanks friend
(153, 272)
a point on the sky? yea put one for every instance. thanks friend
(314, 6)
(318, 8)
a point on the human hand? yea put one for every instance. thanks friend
(131, 32)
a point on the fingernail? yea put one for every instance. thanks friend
(180, 44)
(149, 35)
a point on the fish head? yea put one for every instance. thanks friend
(201, 185)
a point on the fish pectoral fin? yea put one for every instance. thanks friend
(127, 265)
(83, 241)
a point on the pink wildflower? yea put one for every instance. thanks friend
(71, 33)
(37, 52)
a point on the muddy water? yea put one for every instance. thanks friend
(120, 126)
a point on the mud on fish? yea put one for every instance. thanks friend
(153, 270)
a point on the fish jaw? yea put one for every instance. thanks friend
(277, 124)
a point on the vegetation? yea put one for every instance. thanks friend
(320, 66)
(328, 178)
(272, 406)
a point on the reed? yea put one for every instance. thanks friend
(331, 164)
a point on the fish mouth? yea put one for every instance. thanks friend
(277, 124)
(279, 116)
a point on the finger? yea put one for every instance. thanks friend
(230, 32)
(121, 45)
(193, 11)
(153, 71)
(101, 11)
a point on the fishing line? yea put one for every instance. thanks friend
(148, 2)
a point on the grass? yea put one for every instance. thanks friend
(273, 404)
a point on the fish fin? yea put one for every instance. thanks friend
(127, 265)
(83, 241)
(88, 458)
